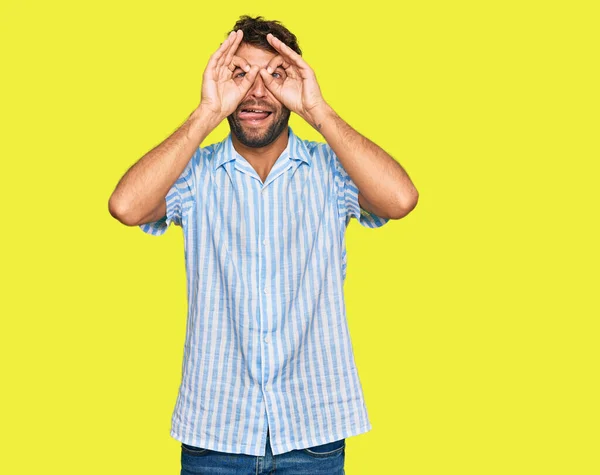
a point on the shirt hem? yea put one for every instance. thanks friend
(303, 444)
(216, 446)
(306, 443)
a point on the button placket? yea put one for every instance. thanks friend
(264, 256)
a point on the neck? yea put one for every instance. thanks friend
(262, 159)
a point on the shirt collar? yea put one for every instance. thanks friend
(296, 150)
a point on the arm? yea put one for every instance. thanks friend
(384, 187)
(141, 193)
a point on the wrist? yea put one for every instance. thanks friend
(200, 123)
(319, 114)
(203, 115)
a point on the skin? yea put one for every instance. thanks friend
(245, 76)
(259, 78)
(283, 82)
(231, 82)
(385, 189)
(261, 144)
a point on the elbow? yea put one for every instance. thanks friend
(406, 203)
(118, 211)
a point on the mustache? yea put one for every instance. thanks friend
(257, 105)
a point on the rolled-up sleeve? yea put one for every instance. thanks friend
(347, 197)
(179, 199)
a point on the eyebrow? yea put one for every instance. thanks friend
(278, 67)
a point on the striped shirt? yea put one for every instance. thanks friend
(267, 342)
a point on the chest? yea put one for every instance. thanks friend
(292, 213)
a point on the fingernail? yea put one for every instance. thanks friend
(269, 70)
(247, 68)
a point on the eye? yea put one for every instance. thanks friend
(238, 74)
(276, 75)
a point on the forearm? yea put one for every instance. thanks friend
(148, 181)
(380, 179)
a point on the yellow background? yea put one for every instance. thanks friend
(474, 319)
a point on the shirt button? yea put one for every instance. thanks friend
(265, 291)
(264, 241)
(267, 339)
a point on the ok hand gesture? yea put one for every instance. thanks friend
(299, 91)
(220, 93)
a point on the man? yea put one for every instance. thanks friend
(269, 380)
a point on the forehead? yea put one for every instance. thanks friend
(254, 55)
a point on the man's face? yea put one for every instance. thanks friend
(258, 129)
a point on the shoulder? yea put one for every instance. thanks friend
(319, 152)
(329, 158)
(325, 158)
(315, 147)
(206, 153)
(204, 156)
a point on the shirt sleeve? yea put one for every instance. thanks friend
(347, 198)
(179, 199)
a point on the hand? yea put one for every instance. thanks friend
(299, 90)
(220, 93)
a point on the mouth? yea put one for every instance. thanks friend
(254, 116)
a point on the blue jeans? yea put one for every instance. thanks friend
(326, 459)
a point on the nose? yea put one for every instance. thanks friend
(258, 89)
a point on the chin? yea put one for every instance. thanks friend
(261, 136)
(255, 141)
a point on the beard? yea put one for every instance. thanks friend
(256, 139)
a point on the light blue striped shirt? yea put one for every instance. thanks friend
(267, 341)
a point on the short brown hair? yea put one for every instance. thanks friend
(256, 30)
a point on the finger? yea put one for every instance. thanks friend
(238, 62)
(267, 77)
(232, 48)
(288, 53)
(212, 62)
(270, 83)
(231, 41)
(249, 78)
(275, 62)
